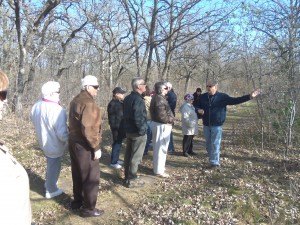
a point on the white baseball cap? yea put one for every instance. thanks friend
(89, 80)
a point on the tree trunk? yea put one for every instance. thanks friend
(151, 39)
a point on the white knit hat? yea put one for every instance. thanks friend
(89, 80)
(49, 88)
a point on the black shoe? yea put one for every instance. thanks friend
(171, 152)
(192, 153)
(134, 183)
(214, 167)
(126, 183)
(186, 155)
(76, 205)
(91, 213)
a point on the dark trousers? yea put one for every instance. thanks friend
(187, 143)
(85, 175)
(135, 146)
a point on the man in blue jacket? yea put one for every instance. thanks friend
(212, 107)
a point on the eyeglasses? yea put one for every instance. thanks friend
(95, 86)
(3, 95)
(166, 88)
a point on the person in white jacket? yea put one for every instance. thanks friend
(50, 123)
(15, 207)
(189, 121)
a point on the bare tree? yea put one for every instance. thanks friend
(132, 9)
(187, 21)
(25, 41)
(279, 22)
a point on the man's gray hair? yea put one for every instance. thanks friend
(136, 82)
(212, 82)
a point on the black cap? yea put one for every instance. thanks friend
(118, 90)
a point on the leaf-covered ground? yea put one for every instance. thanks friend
(252, 186)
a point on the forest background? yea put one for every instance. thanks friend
(243, 44)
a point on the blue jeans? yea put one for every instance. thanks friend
(52, 173)
(118, 137)
(149, 137)
(213, 137)
(171, 144)
(115, 152)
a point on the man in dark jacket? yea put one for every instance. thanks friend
(135, 125)
(212, 107)
(116, 123)
(172, 100)
(84, 140)
(196, 102)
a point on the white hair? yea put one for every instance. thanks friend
(169, 85)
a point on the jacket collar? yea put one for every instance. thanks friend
(135, 92)
(86, 94)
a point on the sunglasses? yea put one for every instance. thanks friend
(209, 86)
(3, 95)
(166, 88)
(95, 87)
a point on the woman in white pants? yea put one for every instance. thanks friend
(162, 120)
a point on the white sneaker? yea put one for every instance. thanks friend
(163, 175)
(53, 194)
(116, 166)
(120, 162)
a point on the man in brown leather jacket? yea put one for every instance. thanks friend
(84, 140)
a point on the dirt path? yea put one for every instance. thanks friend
(114, 198)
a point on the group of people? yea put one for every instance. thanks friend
(82, 137)
(143, 117)
(211, 107)
(160, 113)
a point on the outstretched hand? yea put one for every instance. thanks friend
(255, 93)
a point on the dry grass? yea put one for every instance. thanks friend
(252, 186)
